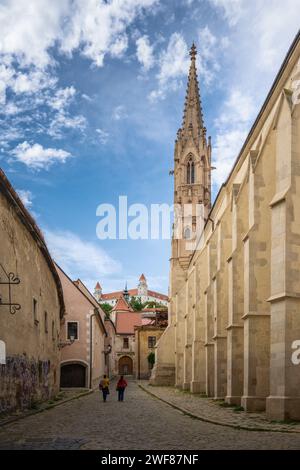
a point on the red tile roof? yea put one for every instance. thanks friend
(142, 278)
(122, 305)
(152, 293)
(126, 321)
(98, 287)
(117, 294)
(148, 321)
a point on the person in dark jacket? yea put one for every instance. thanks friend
(121, 385)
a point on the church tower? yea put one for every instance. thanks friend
(192, 178)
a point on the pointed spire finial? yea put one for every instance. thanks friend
(193, 51)
(192, 113)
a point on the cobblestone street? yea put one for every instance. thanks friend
(141, 422)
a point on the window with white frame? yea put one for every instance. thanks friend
(72, 330)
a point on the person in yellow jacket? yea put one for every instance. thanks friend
(104, 387)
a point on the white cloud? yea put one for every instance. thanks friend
(26, 197)
(144, 52)
(95, 27)
(119, 113)
(173, 65)
(209, 54)
(80, 258)
(37, 157)
(238, 108)
(227, 144)
(103, 136)
(62, 98)
(31, 30)
(273, 25)
(86, 97)
(232, 125)
(63, 120)
(174, 61)
(232, 9)
(276, 23)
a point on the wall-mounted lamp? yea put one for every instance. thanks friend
(63, 344)
(108, 350)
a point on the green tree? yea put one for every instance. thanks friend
(151, 359)
(107, 308)
(136, 304)
(154, 304)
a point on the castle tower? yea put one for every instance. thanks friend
(142, 286)
(98, 292)
(192, 177)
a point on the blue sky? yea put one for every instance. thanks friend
(91, 97)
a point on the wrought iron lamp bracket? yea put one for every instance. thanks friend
(9, 280)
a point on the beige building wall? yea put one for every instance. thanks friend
(88, 349)
(248, 283)
(110, 348)
(127, 353)
(30, 372)
(142, 349)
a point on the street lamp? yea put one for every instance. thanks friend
(108, 350)
(63, 344)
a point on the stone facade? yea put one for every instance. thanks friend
(235, 308)
(29, 366)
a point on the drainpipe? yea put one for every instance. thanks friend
(91, 347)
(139, 355)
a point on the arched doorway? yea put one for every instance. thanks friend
(73, 375)
(125, 366)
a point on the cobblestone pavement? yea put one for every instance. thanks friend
(215, 411)
(140, 422)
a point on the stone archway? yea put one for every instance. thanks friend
(73, 375)
(125, 365)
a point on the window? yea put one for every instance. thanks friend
(46, 321)
(187, 233)
(35, 315)
(125, 343)
(53, 330)
(190, 176)
(72, 330)
(151, 342)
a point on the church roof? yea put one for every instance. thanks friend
(142, 278)
(98, 286)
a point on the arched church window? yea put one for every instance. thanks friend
(192, 173)
(188, 173)
(190, 179)
(187, 233)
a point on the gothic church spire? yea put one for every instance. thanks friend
(192, 115)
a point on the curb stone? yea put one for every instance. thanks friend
(26, 414)
(211, 421)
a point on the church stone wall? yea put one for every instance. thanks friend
(237, 311)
